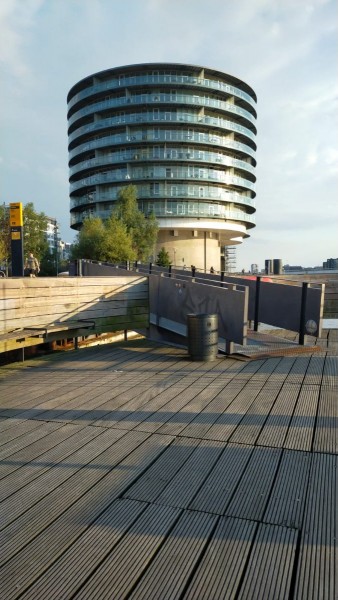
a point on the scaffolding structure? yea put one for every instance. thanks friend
(230, 259)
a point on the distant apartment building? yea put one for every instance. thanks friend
(331, 263)
(185, 136)
(65, 249)
(54, 240)
(52, 234)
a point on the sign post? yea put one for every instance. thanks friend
(16, 225)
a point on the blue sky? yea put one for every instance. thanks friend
(287, 50)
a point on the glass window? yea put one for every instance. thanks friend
(154, 188)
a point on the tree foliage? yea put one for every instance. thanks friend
(106, 241)
(142, 230)
(126, 235)
(90, 240)
(118, 244)
(34, 228)
(163, 258)
(5, 236)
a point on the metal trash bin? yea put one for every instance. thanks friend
(202, 336)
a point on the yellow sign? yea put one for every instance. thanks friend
(16, 235)
(15, 214)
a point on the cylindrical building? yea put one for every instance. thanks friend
(184, 136)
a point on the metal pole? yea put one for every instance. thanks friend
(305, 288)
(169, 271)
(150, 267)
(257, 298)
(222, 278)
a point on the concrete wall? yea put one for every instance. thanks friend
(195, 247)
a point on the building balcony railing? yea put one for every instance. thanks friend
(159, 154)
(157, 191)
(158, 173)
(119, 82)
(160, 99)
(162, 135)
(150, 117)
(180, 209)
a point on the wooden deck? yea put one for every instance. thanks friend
(128, 471)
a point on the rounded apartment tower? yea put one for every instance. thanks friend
(184, 135)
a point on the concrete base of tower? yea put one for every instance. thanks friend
(185, 248)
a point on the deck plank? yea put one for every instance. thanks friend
(186, 483)
(276, 426)
(121, 570)
(228, 421)
(253, 491)
(176, 559)
(132, 455)
(66, 575)
(302, 424)
(129, 470)
(317, 572)
(223, 564)
(287, 501)
(326, 433)
(219, 487)
(269, 571)
(253, 421)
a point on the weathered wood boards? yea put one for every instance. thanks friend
(67, 307)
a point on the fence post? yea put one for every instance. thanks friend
(150, 267)
(305, 287)
(257, 298)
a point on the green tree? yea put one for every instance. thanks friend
(126, 235)
(34, 228)
(5, 236)
(143, 231)
(118, 243)
(48, 264)
(90, 240)
(104, 240)
(163, 259)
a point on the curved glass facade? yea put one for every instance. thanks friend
(183, 135)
